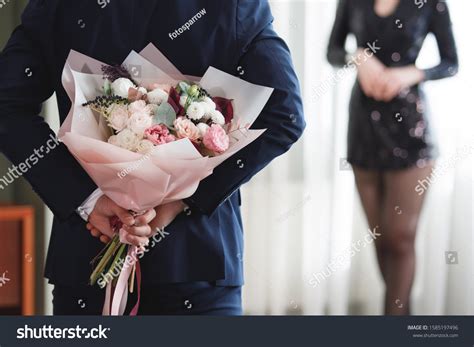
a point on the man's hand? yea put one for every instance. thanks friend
(144, 227)
(105, 208)
(165, 214)
(140, 232)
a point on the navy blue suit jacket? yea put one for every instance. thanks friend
(208, 243)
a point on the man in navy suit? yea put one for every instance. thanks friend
(196, 267)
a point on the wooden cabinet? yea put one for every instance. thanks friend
(17, 260)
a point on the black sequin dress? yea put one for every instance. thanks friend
(393, 135)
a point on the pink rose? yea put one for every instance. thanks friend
(186, 129)
(159, 134)
(216, 139)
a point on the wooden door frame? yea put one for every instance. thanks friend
(26, 215)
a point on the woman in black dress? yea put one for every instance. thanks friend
(389, 143)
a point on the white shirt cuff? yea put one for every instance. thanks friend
(88, 205)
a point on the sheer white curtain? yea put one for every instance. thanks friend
(302, 213)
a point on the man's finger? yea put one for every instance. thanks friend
(105, 239)
(137, 240)
(124, 216)
(96, 233)
(144, 230)
(101, 224)
(145, 218)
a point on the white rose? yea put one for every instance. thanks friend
(118, 117)
(139, 122)
(142, 90)
(121, 86)
(126, 139)
(157, 96)
(113, 140)
(145, 146)
(202, 127)
(140, 106)
(208, 104)
(217, 117)
(195, 111)
(182, 100)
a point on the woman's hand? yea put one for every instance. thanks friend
(398, 78)
(369, 74)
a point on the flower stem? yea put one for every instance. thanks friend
(111, 249)
(118, 256)
(132, 279)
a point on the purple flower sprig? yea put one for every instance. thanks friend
(113, 72)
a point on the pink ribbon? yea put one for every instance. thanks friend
(138, 272)
(116, 306)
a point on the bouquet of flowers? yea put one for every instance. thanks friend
(141, 118)
(147, 135)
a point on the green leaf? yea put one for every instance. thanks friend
(107, 87)
(164, 114)
(183, 87)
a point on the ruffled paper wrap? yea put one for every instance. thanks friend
(170, 171)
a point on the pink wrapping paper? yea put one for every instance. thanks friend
(170, 172)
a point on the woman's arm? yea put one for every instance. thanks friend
(441, 27)
(400, 78)
(336, 53)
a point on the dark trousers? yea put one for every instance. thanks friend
(194, 298)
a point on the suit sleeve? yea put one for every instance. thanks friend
(26, 81)
(336, 52)
(266, 60)
(442, 28)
